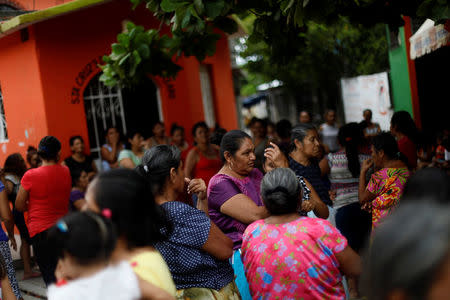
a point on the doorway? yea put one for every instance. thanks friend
(129, 110)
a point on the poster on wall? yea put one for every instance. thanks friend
(367, 92)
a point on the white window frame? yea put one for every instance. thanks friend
(3, 124)
(207, 96)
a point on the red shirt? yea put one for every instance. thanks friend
(408, 149)
(206, 167)
(49, 191)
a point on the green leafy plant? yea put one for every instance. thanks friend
(196, 25)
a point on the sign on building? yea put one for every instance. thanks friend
(367, 92)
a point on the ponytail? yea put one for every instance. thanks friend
(350, 137)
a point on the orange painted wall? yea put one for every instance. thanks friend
(66, 46)
(22, 94)
(222, 82)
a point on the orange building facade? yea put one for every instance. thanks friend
(49, 81)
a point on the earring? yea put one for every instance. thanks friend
(230, 166)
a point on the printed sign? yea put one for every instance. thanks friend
(367, 92)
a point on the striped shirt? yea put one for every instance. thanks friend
(342, 180)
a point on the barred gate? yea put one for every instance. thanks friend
(104, 109)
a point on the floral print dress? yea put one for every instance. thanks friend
(293, 260)
(387, 184)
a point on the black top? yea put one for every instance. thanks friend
(313, 175)
(86, 165)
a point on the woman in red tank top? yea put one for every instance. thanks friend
(203, 161)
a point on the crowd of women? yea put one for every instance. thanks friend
(166, 220)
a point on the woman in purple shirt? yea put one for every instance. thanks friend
(80, 182)
(233, 196)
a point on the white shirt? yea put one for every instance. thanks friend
(116, 282)
(329, 136)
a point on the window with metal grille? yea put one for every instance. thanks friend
(104, 109)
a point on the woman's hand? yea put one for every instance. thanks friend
(367, 207)
(367, 164)
(274, 154)
(332, 194)
(197, 186)
(307, 206)
(12, 239)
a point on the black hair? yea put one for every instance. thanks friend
(85, 236)
(132, 133)
(280, 191)
(367, 109)
(403, 123)
(307, 112)
(49, 148)
(255, 120)
(75, 174)
(30, 152)
(15, 164)
(432, 184)
(231, 142)
(299, 133)
(74, 138)
(217, 135)
(175, 127)
(386, 142)
(156, 165)
(197, 125)
(270, 123)
(157, 123)
(113, 127)
(130, 136)
(283, 129)
(134, 212)
(351, 137)
(407, 252)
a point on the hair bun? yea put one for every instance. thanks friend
(280, 189)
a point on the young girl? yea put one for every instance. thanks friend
(127, 198)
(5, 252)
(15, 167)
(84, 242)
(80, 181)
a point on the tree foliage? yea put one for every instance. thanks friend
(279, 24)
(330, 53)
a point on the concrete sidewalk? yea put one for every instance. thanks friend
(32, 289)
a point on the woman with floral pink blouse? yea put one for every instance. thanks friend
(290, 256)
(382, 193)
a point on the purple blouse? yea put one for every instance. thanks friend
(75, 195)
(223, 187)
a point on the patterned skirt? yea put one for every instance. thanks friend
(228, 292)
(6, 253)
